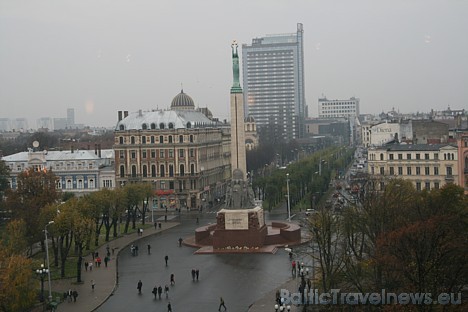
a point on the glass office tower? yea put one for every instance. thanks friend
(273, 81)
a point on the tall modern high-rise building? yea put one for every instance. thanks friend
(70, 117)
(273, 81)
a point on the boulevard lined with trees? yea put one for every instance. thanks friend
(79, 226)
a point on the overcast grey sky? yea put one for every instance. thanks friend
(100, 57)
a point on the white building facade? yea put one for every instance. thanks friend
(78, 171)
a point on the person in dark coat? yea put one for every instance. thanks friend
(75, 294)
(159, 291)
(197, 273)
(193, 274)
(155, 291)
(172, 279)
(169, 307)
(139, 286)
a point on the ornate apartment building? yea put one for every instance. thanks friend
(426, 166)
(78, 171)
(181, 152)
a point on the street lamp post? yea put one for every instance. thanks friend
(47, 259)
(42, 272)
(289, 202)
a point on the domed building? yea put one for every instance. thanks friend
(182, 101)
(181, 152)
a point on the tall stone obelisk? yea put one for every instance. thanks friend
(238, 159)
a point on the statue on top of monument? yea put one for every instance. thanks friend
(239, 194)
(235, 68)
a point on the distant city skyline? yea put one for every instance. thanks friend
(101, 57)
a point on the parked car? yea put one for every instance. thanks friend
(310, 211)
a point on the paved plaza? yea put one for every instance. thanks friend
(247, 282)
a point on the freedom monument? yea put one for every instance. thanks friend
(240, 224)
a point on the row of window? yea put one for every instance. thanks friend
(78, 184)
(153, 152)
(150, 171)
(427, 186)
(409, 171)
(152, 139)
(57, 166)
(409, 156)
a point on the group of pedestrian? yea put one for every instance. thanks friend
(157, 224)
(157, 291)
(88, 265)
(134, 250)
(71, 295)
(195, 274)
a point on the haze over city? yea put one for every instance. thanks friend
(100, 57)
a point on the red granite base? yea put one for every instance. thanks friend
(267, 239)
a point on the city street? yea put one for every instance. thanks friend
(239, 279)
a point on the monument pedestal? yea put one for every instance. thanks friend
(240, 228)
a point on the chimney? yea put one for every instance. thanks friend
(120, 115)
(99, 150)
(72, 148)
(95, 149)
(125, 114)
(88, 147)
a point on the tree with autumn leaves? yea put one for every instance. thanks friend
(399, 239)
(35, 203)
(17, 281)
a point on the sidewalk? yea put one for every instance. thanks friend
(267, 303)
(104, 278)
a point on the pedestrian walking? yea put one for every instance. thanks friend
(166, 291)
(180, 241)
(90, 265)
(139, 286)
(69, 295)
(166, 258)
(92, 284)
(108, 250)
(221, 304)
(75, 294)
(160, 225)
(172, 279)
(165, 217)
(106, 260)
(98, 260)
(197, 273)
(155, 291)
(193, 274)
(155, 225)
(169, 307)
(86, 264)
(136, 250)
(149, 249)
(160, 292)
